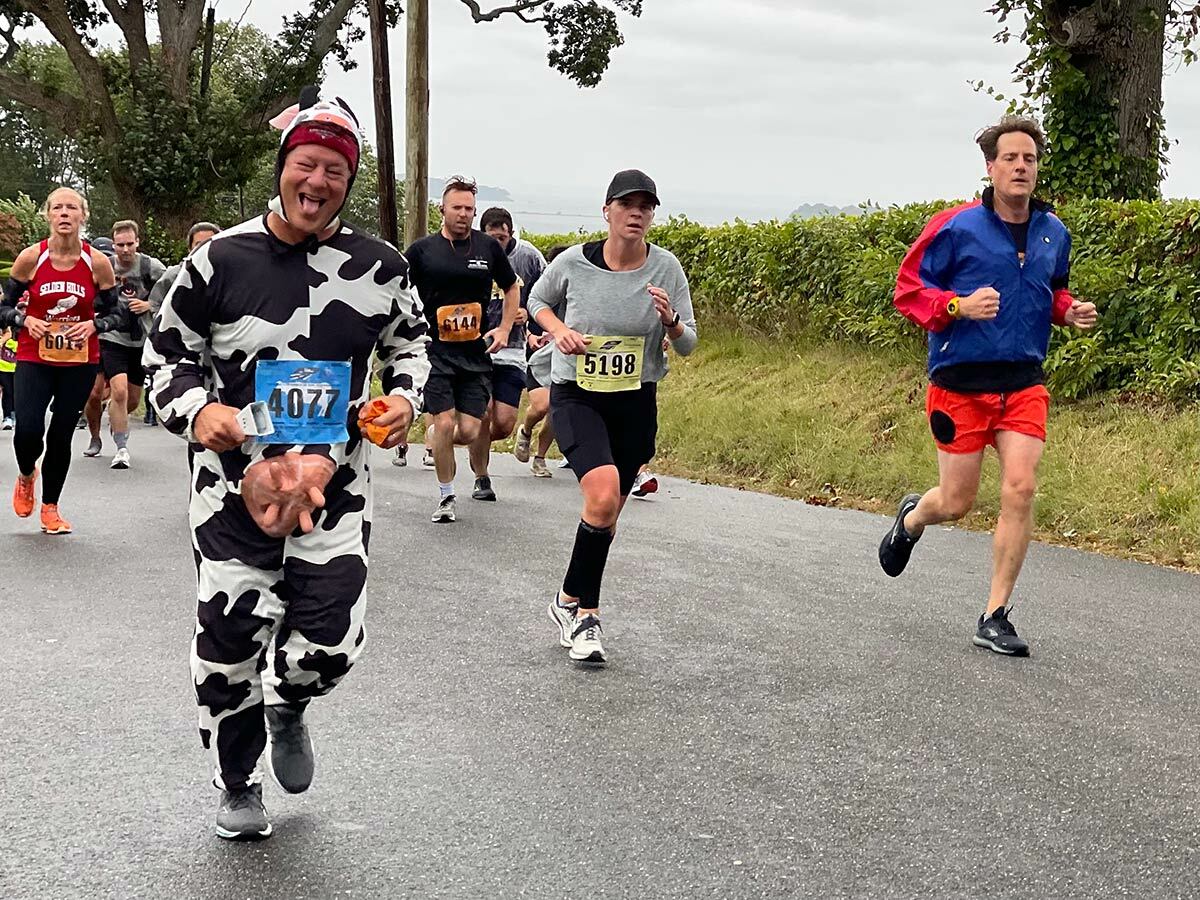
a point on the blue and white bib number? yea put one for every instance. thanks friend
(308, 401)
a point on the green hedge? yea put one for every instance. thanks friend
(1138, 261)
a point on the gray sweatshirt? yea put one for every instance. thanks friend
(592, 300)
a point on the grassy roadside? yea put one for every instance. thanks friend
(839, 425)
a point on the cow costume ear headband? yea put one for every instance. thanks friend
(329, 123)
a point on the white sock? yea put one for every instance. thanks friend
(446, 490)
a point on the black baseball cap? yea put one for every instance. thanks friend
(631, 181)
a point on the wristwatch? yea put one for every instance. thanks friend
(674, 321)
(952, 307)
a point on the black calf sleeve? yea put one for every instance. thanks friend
(588, 560)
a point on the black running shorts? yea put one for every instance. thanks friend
(597, 429)
(116, 359)
(507, 384)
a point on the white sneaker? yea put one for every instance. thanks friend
(565, 463)
(524, 439)
(585, 641)
(8, 424)
(644, 485)
(563, 618)
(120, 459)
(93, 448)
(445, 511)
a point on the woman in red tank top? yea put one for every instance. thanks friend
(71, 293)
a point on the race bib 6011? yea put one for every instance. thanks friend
(308, 401)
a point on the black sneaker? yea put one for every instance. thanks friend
(242, 816)
(897, 544)
(290, 760)
(483, 489)
(997, 634)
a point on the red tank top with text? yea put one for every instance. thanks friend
(60, 299)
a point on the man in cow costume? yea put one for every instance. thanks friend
(269, 330)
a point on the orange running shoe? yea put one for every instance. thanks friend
(23, 495)
(52, 522)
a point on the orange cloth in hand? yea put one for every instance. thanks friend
(376, 434)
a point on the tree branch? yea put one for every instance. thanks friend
(519, 9)
(131, 19)
(7, 33)
(276, 98)
(179, 24)
(55, 16)
(62, 108)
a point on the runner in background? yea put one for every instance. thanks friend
(121, 349)
(454, 271)
(539, 349)
(72, 298)
(508, 363)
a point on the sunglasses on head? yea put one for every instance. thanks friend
(461, 182)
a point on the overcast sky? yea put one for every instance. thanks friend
(735, 107)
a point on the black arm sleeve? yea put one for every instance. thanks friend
(109, 315)
(13, 292)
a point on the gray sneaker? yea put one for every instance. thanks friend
(401, 457)
(524, 439)
(242, 816)
(445, 511)
(93, 448)
(538, 468)
(290, 761)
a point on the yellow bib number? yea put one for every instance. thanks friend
(459, 322)
(611, 363)
(56, 347)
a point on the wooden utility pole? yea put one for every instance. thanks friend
(384, 145)
(416, 158)
(206, 66)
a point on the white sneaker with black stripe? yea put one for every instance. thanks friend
(585, 641)
(563, 618)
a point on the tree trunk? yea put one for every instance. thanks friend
(1118, 45)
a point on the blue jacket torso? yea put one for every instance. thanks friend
(975, 249)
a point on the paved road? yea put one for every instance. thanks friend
(777, 720)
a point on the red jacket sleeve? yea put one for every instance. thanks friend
(922, 290)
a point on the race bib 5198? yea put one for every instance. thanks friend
(308, 401)
(611, 363)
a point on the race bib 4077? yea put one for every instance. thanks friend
(308, 401)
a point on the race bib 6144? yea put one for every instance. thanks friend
(308, 401)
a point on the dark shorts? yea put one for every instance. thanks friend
(507, 384)
(966, 423)
(118, 360)
(452, 387)
(531, 383)
(600, 429)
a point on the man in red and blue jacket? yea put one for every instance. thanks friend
(986, 280)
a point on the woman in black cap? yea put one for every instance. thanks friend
(608, 305)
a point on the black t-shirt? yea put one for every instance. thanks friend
(593, 252)
(454, 283)
(1020, 235)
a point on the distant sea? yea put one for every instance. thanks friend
(539, 212)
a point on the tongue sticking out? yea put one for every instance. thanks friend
(309, 206)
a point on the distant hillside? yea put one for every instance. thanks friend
(817, 210)
(487, 193)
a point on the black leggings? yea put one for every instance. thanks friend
(36, 385)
